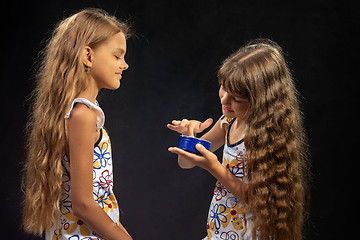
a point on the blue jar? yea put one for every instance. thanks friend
(188, 144)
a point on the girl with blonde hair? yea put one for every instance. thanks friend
(261, 184)
(68, 179)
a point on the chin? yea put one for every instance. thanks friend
(114, 86)
(229, 115)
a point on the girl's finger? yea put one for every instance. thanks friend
(176, 122)
(205, 124)
(187, 155)
(184, 123)
(191, 132)
(206, 153)
(172, 127)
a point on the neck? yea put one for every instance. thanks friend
(91, 91)
(239, 126)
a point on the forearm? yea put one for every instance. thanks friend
(97, 219)
(236, 186)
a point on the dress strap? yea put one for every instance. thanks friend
(99, 112)
(225, 120)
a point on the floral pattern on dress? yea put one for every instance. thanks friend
(101, 155)
(74, 224)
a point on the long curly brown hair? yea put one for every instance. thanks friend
(61, 78)
(276, 145)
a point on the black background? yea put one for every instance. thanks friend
(173, 60)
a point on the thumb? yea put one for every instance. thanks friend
(205, 124)
(202, 150)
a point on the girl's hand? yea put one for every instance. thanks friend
(189, 127)
(210, 163)
(207, 161)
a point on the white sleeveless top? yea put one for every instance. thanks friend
(71, 227)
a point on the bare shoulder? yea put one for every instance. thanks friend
(82, 116)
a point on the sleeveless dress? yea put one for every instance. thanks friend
(71, 227)
(226, 217)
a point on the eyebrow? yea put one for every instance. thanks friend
(122, 51)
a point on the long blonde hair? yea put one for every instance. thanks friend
(61, 78)
(275, 140)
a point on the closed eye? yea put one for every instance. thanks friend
(240, 100)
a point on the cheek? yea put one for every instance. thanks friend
(97, 71)
(103, 67)
(241, 109)
(101, 75)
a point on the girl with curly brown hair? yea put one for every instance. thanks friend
(260, 192)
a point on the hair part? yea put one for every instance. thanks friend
(275, 141)
(61, 78)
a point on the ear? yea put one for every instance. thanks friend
(87, 56)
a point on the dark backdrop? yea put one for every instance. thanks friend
(173, 60)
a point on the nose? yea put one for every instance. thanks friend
(225, 98)
(124, 65)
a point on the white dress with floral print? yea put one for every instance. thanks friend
(71, 227)
(226, 217)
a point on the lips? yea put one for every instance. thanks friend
(119, 75)
(226, 109)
